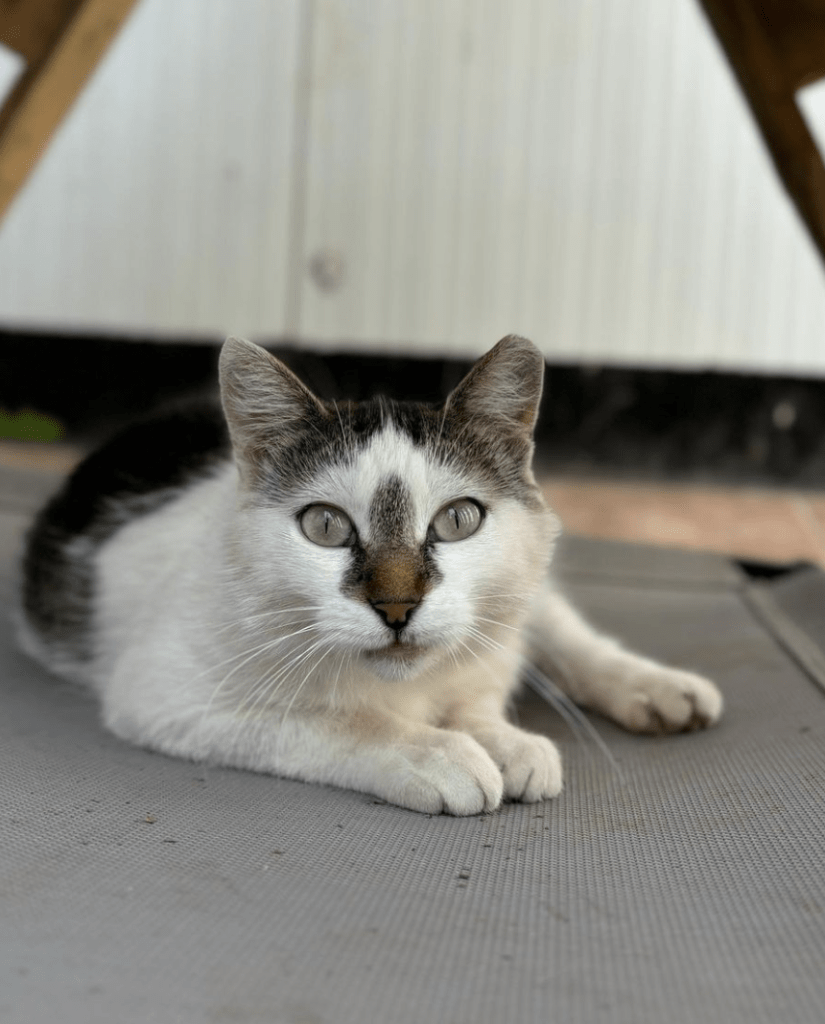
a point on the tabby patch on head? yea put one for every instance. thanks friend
(282, 433)
(412, 516)
(394, 569)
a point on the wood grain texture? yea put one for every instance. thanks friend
(62, 43)
(587, 175)
(775, 48)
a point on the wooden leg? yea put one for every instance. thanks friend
(775, 47)
(62, 42)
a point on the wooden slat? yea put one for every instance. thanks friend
(61, 54)
(32, 27)
(164, 203)
(775, 47)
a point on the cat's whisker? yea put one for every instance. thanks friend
(300, 687)
(441, 423)
(578, 723)
(269, 684)
(340, 422)
(266, 685)
(475, 655)
(273, 679)
(272, 613)
(287, 610)
(485, 637)
(344, 659)
(489, 643)
(265, 690)
(453, 656)
(498, 622)
(248, 655)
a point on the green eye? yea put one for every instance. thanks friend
(328, 526)
(457, 520)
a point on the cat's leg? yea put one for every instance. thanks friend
(597, 672)
(418, 766)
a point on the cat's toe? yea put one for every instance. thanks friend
(456, 777)
(533, 770)
(667, 700)
(530, 764)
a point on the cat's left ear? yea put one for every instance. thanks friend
(264, 402)
(504, 385)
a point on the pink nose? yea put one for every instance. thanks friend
(394, 612)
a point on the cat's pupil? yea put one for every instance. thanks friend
(460, 517)
(457, 521)
(328, 526)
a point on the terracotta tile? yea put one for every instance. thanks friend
(816, 506)
(765, 525)
(811, 510)
(46, 458)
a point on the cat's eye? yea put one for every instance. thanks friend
(327, 525)
(457, 520)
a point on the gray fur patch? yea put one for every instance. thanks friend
(390, 513)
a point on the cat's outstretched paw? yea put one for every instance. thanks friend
(655, 699)
(453, 776)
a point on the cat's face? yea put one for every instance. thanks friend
(405, 534)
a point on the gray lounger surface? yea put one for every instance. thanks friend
(683, 882)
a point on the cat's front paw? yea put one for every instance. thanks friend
(655, 699)
(530, 764)
(451, 774)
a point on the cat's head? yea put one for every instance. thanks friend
(408, 532)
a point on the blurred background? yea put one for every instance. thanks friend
(379, 190)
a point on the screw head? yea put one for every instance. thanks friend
(327, 269)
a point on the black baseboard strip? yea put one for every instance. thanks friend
(740, 428)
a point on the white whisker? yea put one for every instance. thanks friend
(271, 682)
(248, 655)
(345, 659)
(579, 724)
(300, 687)
(254, 618)
(487, 641)
(498, 622)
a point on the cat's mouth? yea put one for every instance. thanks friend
(398, 650)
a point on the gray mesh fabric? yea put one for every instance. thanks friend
(681, 882)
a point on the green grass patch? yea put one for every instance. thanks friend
(28, 425)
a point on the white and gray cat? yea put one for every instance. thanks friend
(342, 593)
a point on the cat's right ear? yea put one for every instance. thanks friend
(264, 402)
(503, 387)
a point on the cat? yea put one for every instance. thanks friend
(341, 593)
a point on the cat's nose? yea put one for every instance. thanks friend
(395, 613)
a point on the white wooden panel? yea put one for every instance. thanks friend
(811, 101)
(163, 203)
(583, 172)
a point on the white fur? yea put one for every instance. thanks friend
(175, 668)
